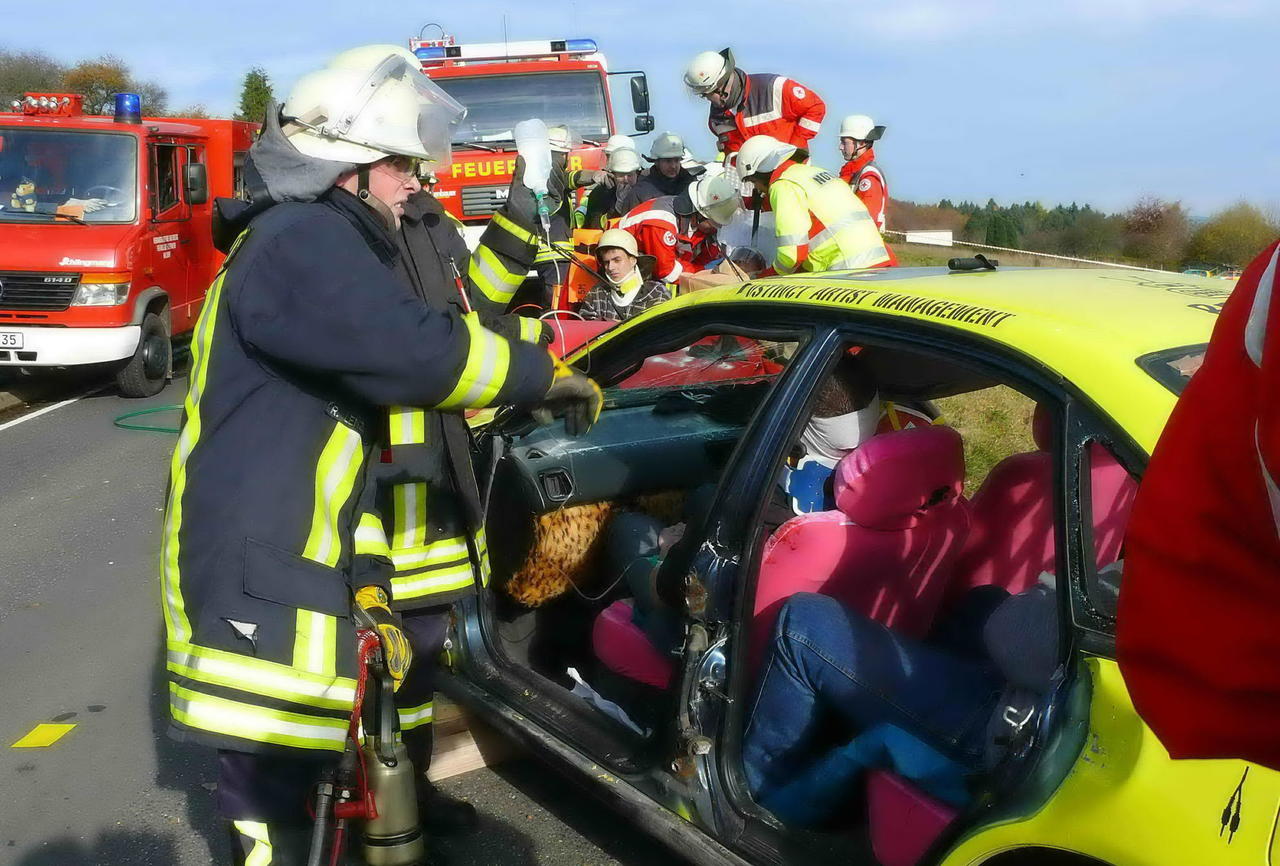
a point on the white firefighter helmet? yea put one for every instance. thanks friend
(618, 141)
(622, 161)
(562, 140)
(708, 71)
(762, 153)
(620, 238)
(666, 146)
(369, 103)
(717, 197)
(860, 128)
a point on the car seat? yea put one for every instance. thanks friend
(888, 548)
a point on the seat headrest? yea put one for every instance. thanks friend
(1042, 427)
(893, 480)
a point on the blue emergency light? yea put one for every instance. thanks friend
(437, 53)
(583, 45)
(128, 108)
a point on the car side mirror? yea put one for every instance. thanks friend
(640, 95)
(195, 180)
(644, 123)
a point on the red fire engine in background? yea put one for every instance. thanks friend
(563, 81)
(105, 245)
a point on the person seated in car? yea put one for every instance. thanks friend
(847, 412)
(936, 711)
(627, 289)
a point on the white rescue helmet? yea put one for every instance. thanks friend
(618, 141)
(708, 71)
(666, 146)
(622, 161)
(369, 103)
(562, 141)
(762, 154)
(859, 127)
(717, 197)
(621, 239)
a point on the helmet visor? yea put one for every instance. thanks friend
(438, 113)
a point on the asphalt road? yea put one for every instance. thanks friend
(80, 644)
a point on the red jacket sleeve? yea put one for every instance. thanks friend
(871, 190)
(806, 108)
(658, 240)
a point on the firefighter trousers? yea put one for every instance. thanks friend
(415, 698)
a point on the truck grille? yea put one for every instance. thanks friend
(482, 200)
(21, 290)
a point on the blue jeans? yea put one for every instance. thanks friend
(825, 659)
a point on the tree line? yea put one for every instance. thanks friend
(1152, 233)
(99, 79)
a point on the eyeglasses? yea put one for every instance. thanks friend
(404, 166)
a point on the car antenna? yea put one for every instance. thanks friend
(979, 262)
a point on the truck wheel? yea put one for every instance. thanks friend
(145, 373)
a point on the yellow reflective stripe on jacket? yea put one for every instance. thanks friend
(315, 642)
(259, 677)
(548, 253)
(409, 502)
(257, 831)
(821, 223)
(175, 616)
(416, 717)
(482, 556)
(250, 722)
(515, 230)
(335, 478)
(408, 426)
(530, 330)
(435, 553)
(495, 281)
(432, 581)
(371, 537)
(485, 371)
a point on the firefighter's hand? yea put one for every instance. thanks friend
(573, 395)
(373, 600)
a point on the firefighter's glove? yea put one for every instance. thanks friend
(373, 600)
(573, 395)
(600, 178)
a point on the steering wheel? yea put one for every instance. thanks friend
(105, 192)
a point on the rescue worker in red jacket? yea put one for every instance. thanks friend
(679, 231)
(762, 103)
(820, 224)
(858, 134)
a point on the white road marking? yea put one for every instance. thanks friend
(45, 411)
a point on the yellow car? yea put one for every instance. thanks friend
(706, 397)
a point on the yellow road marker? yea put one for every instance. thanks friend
(43, 735)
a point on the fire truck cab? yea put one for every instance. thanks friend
(564, 81)
(105, 245)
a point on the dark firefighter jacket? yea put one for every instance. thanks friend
(428, 500)
(306, 337)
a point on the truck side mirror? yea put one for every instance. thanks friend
(195, 180)
(640, 95)
(644, 123)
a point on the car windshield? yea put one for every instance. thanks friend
(91, 176)
(496, 103)
(1174, 368)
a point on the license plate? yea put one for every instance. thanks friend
(10, 340)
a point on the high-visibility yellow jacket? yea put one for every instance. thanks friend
(820, 223)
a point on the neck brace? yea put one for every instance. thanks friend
(626, 289)
(829, 439)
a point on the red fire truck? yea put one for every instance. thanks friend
(561, 81)
(105, 247)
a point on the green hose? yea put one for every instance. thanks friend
(119, 421)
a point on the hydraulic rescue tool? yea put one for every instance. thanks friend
(374, 780)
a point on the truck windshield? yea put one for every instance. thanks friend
(88, 176)
(496, 103)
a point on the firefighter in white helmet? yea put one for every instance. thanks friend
(618, 141)
(858, 135)
(608, 200)
(820, 224)
(744, 105)
(269, 537)
(666, 175)
(679, 231)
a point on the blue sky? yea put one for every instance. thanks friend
(1098, 101)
